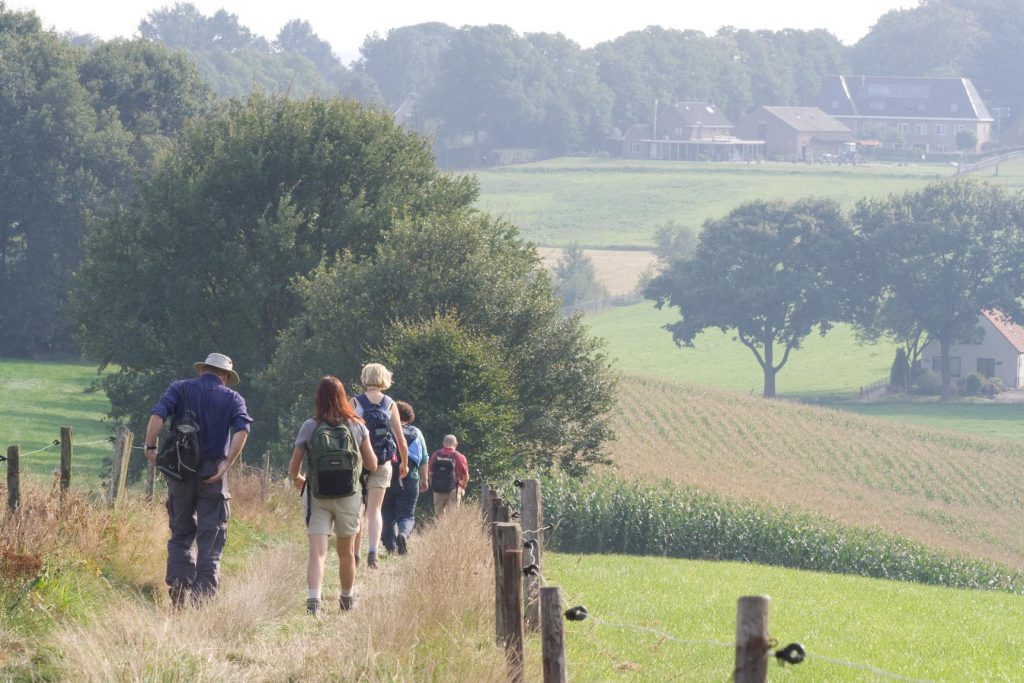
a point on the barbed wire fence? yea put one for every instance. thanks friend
(518, 558)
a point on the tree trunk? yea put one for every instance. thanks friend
(944, 347)
(769, 367)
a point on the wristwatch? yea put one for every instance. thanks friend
(150, 448)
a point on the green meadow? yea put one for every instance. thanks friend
(605, 202)
(656, 619)
(37, 399)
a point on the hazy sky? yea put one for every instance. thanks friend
(345, 25)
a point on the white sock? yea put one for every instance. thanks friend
(347, 593)
(314, 594)
(372, 550)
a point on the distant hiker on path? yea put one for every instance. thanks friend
(385, 427)
(197, 492)
(399, 510)
(336, 447)
(449, 475)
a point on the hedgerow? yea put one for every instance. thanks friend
(607, 515)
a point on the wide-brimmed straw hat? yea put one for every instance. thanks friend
(221, 362)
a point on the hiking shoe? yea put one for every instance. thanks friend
(180, 595)
(313, 607)
(371, 560)
(400, 542)
(347, 602)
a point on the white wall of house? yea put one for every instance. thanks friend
(994, 350)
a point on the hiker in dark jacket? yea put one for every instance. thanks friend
(448, 475)
(197, 507)
(326, 516)
(399, 510)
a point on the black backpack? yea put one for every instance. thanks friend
(378, 422)
(333, 461)
(181, 452)
(442, 474)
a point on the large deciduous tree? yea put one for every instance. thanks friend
(247, 200)
(941, 255)
(769, 271)
(468, 283)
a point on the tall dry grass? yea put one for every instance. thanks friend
(427, 616)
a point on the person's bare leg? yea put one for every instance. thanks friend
(346, 569)
(375, 524)
(315, 571)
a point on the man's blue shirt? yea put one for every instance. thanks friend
(219, 410)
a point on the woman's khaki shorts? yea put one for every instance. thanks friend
(337, 516)
(381, 479)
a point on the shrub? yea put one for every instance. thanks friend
(973, 384)
(993, 386)
(928, 383)
(608, 515)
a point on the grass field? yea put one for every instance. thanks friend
(834, 364)
(939, 487)
(37, 399)
(618, 270)
(903, 629)
(614, 202)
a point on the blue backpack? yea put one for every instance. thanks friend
(412, 441)
(378, 422)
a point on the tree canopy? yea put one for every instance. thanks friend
(939, 256)
(771, 272)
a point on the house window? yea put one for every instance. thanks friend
(987, 367)
(678, 132)
(920, 129)
(954, 365)
(902, 128)
(940, 148)
(634, 148)
(958, 128)
(940, 129)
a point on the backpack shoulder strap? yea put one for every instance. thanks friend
(364, 402)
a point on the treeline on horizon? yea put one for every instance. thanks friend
(479, 88)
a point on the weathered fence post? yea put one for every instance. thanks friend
(504, 537)
(485, 504)
(512, 596)
(119, 464)
(66, 449)
(532, 517)
(13, 481)
(151, 474)
(552, 635)
(752, 644)
(265, 480)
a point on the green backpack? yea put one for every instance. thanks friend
(334, 462)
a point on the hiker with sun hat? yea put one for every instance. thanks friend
(197, 498)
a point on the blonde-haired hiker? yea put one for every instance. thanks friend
(385, 426)
(337, 447)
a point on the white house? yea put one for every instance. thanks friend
(1000, 353)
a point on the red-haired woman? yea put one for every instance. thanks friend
(338, 511)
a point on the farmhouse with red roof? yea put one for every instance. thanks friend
(999, 353)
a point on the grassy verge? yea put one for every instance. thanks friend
(900, 628)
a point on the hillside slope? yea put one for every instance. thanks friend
(938, 487)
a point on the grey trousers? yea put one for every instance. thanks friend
(198, 516)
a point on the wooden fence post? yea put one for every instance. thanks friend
(265, 480)
(532, 517)
(505, 537)
(552, 635)
(119, 464)
(66, 449)
(752, 645)
(13, 480)
(512, 611)
(485, 504)
(151, 474)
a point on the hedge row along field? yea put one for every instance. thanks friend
(607, 515)
(944, 489)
